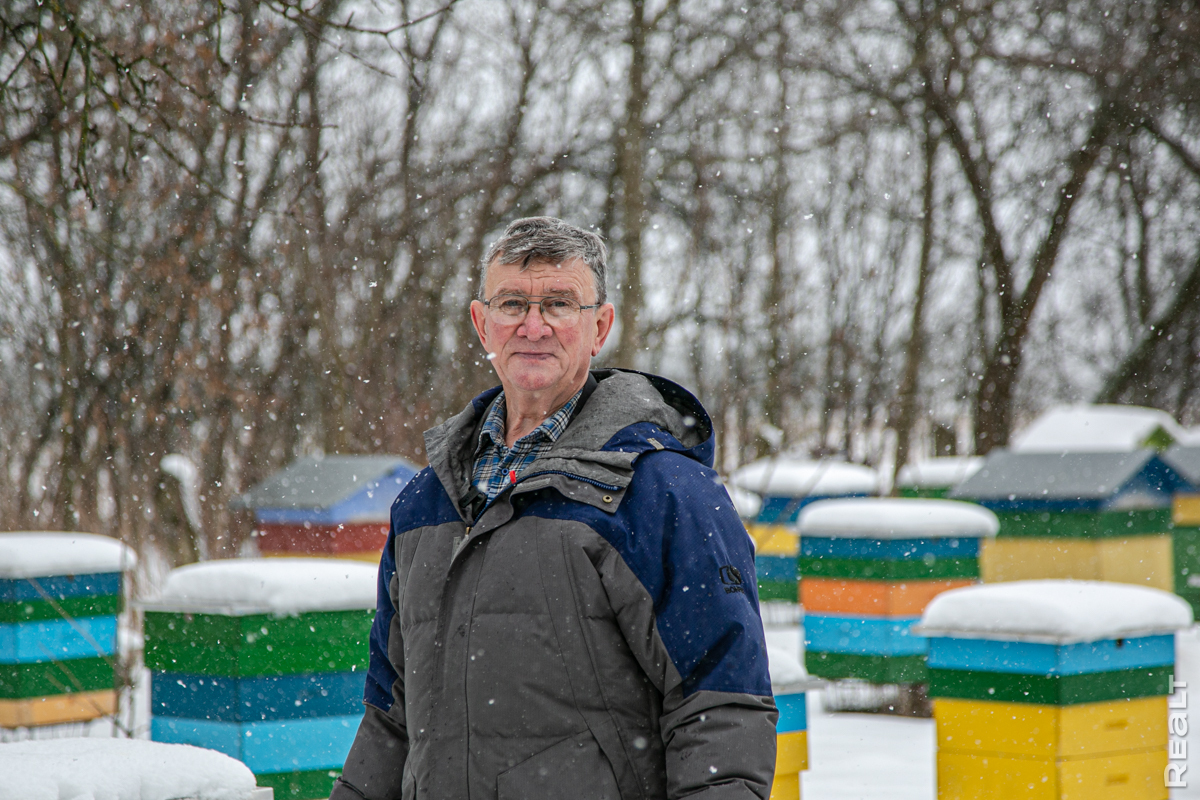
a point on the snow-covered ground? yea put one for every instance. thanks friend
(866, 756)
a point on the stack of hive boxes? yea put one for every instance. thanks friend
(787, 486)
(263, 660)
(868, 568)
(333, 506)
(1085, 516)
(1052, 689)
(790, 685)
(60, 598)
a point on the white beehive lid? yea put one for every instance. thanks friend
(39, 554)
(1056, 612)
(783, 477)
(896, 518)
(280, 586)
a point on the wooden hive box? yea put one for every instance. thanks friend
(335, 506)
(263, 660)
(787, 486)
(1052, 689)
(868, 568)
(1078, 515)
(60, 598)
(790, 685)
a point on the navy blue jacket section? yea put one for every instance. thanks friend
(381, 675)
(677, 530)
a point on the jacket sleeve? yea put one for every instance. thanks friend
(375, 765)
(692, 620)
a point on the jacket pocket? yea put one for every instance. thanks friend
(574, 768)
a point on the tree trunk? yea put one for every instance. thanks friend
(631, 164)
(914, 352)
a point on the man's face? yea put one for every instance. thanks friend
(531, 354)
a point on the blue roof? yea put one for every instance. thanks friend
(330, 490)
(1010, 481)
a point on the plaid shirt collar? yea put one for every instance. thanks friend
(496, 465)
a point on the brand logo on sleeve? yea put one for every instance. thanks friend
(731, 576)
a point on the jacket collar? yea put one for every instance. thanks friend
(624, 414)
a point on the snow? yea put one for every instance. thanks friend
(794, 478)
(36, 554)
(280, 586)
(787, 673)
(1101, 428)
(748, 504)
(1054, 611)
(936, 473)
(86, 769)
(896, 518)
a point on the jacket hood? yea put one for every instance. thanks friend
(627, 413)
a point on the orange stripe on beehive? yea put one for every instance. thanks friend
(876, 598)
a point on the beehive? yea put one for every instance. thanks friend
(263, 660)
(787, 486)
(790, 685)
(868, 568)
(1078, 515)
(60, 598)
(1052, 689)
(333, 506)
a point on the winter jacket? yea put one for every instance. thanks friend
(591, 633)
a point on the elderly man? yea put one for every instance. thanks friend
(567, 605)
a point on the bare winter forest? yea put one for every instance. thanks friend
(245, 231)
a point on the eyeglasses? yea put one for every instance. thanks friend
(554, 308)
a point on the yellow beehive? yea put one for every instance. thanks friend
(1141, 560)
(791, 758)
(57, 709)
(1186, 509)
(1121, 776)
(1044, 731)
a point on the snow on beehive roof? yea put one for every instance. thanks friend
(36, 554)
(896, 518)
(795, 478)
(1058, 612)
(269, 586)
(119, 769)
(939, 472)
(316, 483)
(748, 504)
(1098, 428)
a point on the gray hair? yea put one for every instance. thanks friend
(548, 239)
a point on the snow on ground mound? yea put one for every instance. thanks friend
(1057, 612)
(269, 586)
(36, 554)
(896, 518)
(787, 673)
(791, 478)
(1102, 428)
(936, 473)
(119, 769)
